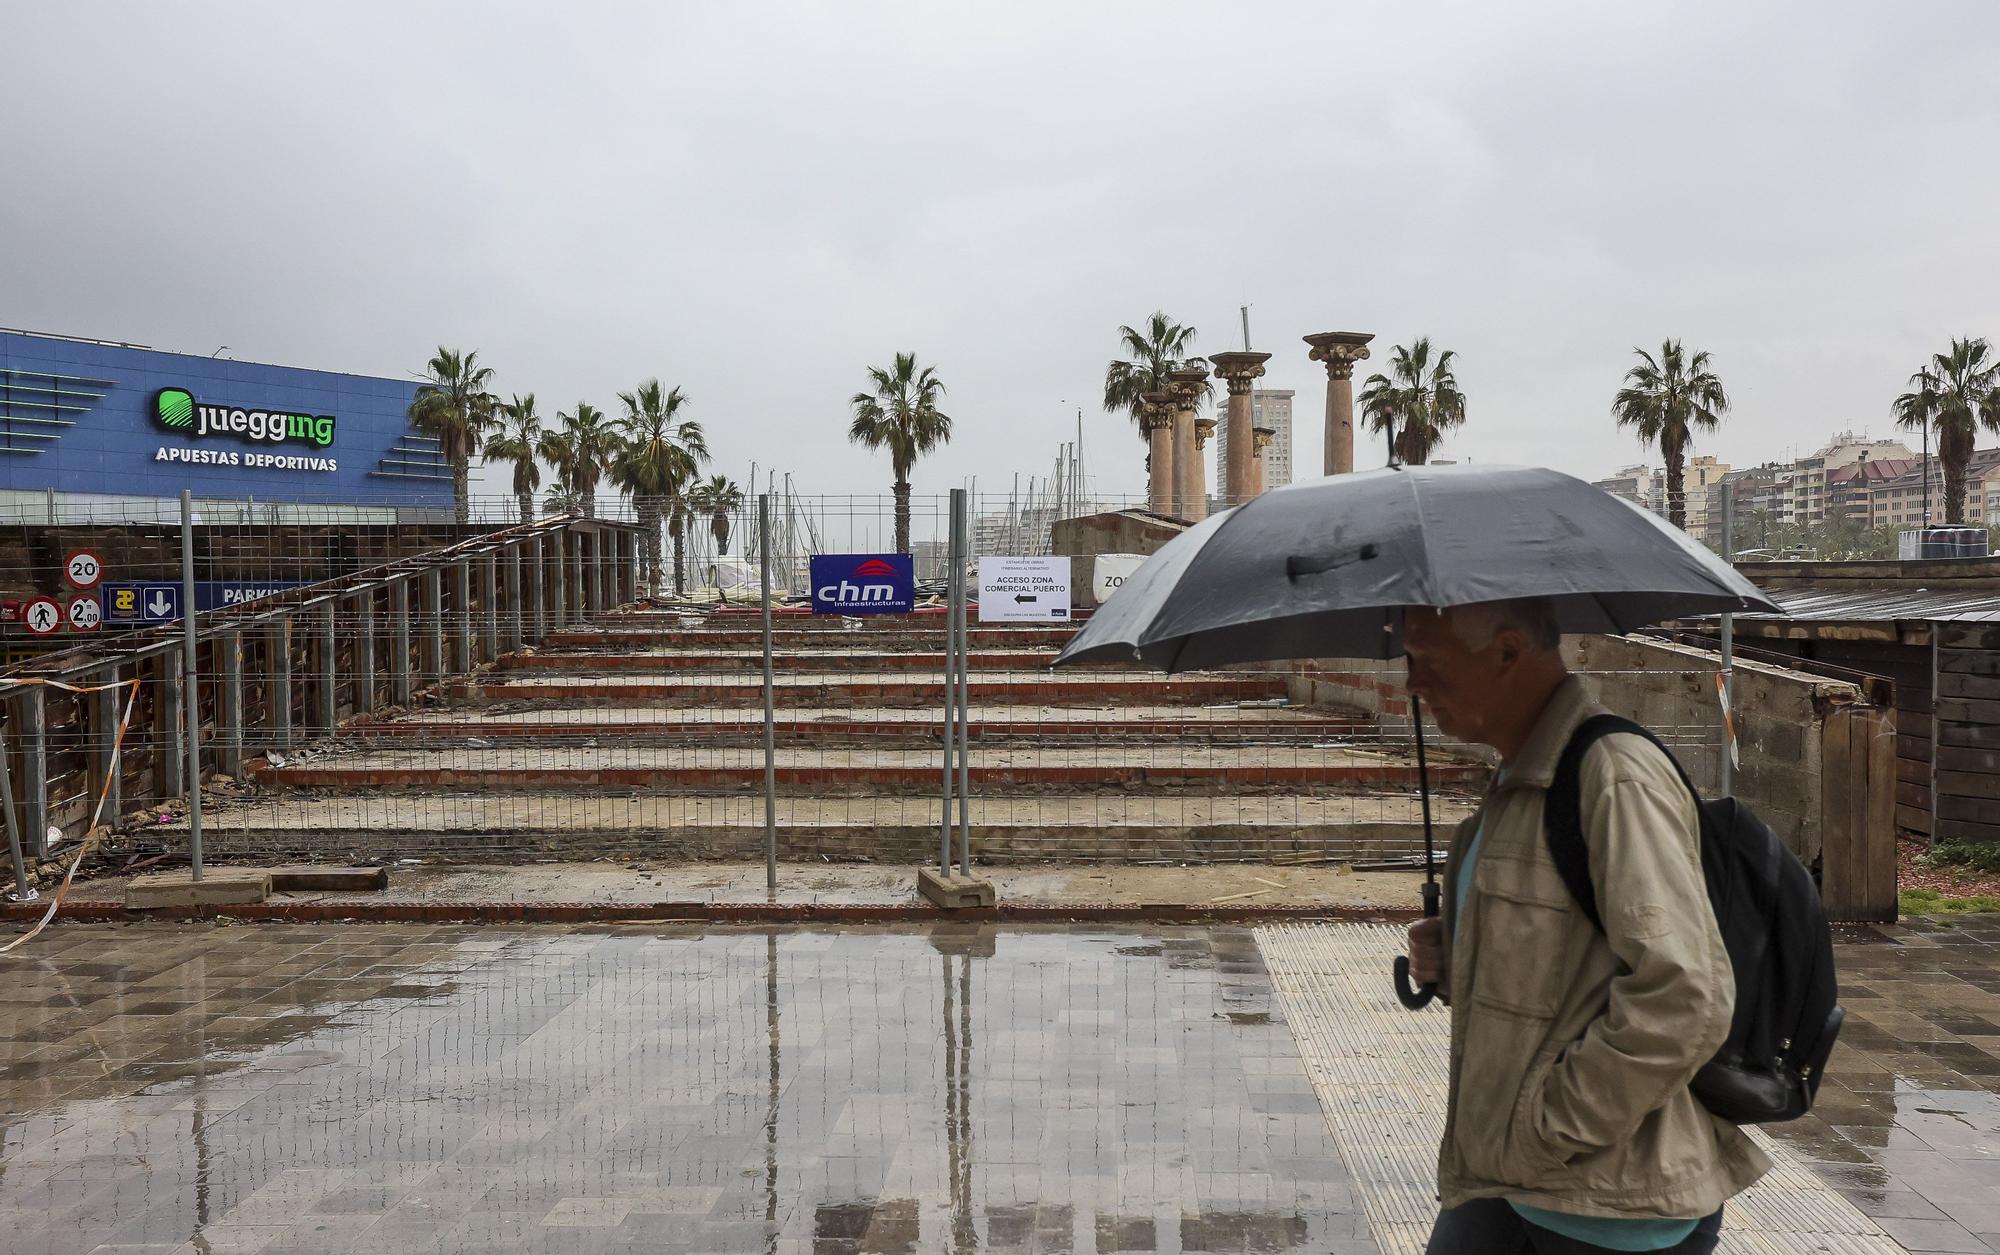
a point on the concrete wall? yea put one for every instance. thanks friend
(1968, 574)
(1839, 818)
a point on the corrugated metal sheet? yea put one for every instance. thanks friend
(1813, 605)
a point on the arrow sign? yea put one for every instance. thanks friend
(159, 605)
(1021, 597)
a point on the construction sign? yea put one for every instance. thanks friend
(1024, 590)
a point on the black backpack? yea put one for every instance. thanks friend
(1768, 911)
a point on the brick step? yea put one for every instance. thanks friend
(1015, 829)
(675, 662)
(880, 640)
(841, 772)
(747, 725)
(1007, 688)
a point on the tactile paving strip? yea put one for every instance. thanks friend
(1380, 1073)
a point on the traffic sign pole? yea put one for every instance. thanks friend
(190, 686)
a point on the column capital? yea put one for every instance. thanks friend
(1238, 368)
(1261, 437)
(1156, 409)
(1340, 350)
(1203, 429)
(1187, 385)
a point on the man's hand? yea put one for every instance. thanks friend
(1427, 961)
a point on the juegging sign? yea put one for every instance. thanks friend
(176, 410)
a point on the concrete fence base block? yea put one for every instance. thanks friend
(222, 886)
(954, 892)
(336, 879)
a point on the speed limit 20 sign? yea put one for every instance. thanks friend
(83, 569)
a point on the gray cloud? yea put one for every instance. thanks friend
(756, 202)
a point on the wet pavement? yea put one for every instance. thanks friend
(387, 1088)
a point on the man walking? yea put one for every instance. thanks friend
(1569, 1126)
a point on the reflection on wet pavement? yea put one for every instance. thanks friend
(1908, 1120)
(393, 1089)
(412, 1089)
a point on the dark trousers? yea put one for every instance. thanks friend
(1488, 1226)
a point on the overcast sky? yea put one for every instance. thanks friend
(755, 202)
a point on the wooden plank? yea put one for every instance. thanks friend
(1837, 887)
(1966, 830)
(1918, 795)
(1914, 771)
(1976, 810)
(1915, 819)
(1969, 661)
(1962, 710)
(1962, 758)
(1915, 723)
(1881, 814)
(1969, 735)
(1980, 688)
(1968, 636)
(1969, 784)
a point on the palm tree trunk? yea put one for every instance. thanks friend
(1670, 452)
(1955, 452)
(527, 502)
(678, 529)
(590, 502)
(902, 516)
(461, 489)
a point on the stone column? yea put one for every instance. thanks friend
(1156, 414)
(1340, 350)
(1190, 493)
(1239, 370)
(1260, 440)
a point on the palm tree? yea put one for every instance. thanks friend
(1417, 402)
(902, 416)
(562, 499)
(719, 499)
(1956, 395)
(1162, 348)
(659, 452)
(519, 441)
(580, 452)
(1668, 399)
(454, 406)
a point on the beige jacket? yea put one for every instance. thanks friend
(1571, 1050)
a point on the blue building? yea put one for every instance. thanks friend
(105, 425)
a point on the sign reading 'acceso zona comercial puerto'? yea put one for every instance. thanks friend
(176, 410)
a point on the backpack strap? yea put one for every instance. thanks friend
(1562, 810)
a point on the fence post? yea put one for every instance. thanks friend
(770, 701)
(35, 759)
(952, 573)
(963, 521)
(278, 686)
(1725, 770)
(399, 656)
(537, 589)
(23, 891)
(230, 646)
(191, 679)
(461, 613)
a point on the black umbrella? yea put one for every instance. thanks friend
(1324, 569)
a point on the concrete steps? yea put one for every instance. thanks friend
(793, 637)
(1044, 688)
(843, 772)
(668, 661)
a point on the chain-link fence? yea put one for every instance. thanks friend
(426, 689)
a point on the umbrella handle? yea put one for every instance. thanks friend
(1415, 997)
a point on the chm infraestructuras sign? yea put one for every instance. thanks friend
(863, 583)
(1024, 590)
